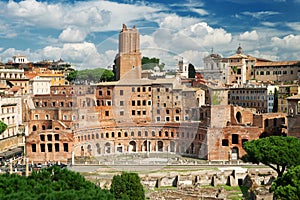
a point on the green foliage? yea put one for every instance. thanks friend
(234, 69)
(127, 186)
(287, 186)
(50, 183)
(3, 127)
(72, 76)
(191, 71)
(91, 75)
(150, 63)
(277, 152)
(275, 105)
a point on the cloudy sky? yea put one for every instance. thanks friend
(85, 33)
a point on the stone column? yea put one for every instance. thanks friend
(26, 167)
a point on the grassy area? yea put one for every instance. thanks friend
(165, 188)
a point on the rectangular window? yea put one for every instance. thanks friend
(235, 138)
(144, 112)
(36, 117)
(167, 119)
(121, 103)
(100, 92)
(157, 111)
(33, 147)
(149, 102)
(144, 102)
(42, 137)
(108, 103)
(225, 142)
(138, 112)
(133, 112)
(49, 137)
(49, 147)
(56, 145)
(66, 147)
(42, 146)
(121, 112)
(106, 113)
(121, 92)
(138, 103)
(108, 92)
(133, 103)
(56, 137)
(158, 119)
(177, 118)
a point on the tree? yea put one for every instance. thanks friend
(191, 71)
(275, 105)
(3, 127)
(50, 183)
(287, 186)
(277, 152)
(127, 186)
(72, 76)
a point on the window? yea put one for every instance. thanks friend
(167, 111)
(133, 103)
(144, 102)
(121, 112)
(235, 138)
(36, 117)
(121, 92)
(66, 147)
(42, 137)
(121, 103)
(133, 112)
(108, 103)
(47, 117)
(56, 137)
(132, 89)
(138, 102)
(157, 111)
(42, 147)
(132, 134)
(108, 92)
(100, 92)
(144, 112)
(167, 119)
(177, 118)
(53, 104)
(138, 112)
(49, 147)
(139, 133)
(158, 119)
(149, 102)
(119, 134)
(49, 137)
(153, 133)
(225, 142)
(106, 113)
(56, 146)
(33, 147)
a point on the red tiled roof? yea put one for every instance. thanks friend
(277, 63)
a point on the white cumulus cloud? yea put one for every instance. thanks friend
(252, 36)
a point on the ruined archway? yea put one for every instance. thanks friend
(132, 146)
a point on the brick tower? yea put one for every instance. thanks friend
(128, 61)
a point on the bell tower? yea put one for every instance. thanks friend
(128, 61)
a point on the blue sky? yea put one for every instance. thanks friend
(85, 33)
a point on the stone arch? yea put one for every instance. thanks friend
(98, 148)
(160, 146)
(238, 117)
(132, 146)
(107, 148)
(89, 150)
(235, 153)
(172, 146)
